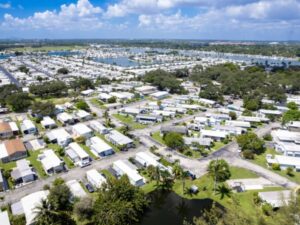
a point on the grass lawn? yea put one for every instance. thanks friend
(128, 120)
(240, 173)
(68, 162)
(217, 145)
(261, 160)
(156, 136)
(98, 103)
(7, 166)
(36, 164)
(88, 150)
(49, 48)
(107, 174)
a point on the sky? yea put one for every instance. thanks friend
(151, 19)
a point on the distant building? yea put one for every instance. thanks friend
(59, 136)
(124, 167)
(48, 123)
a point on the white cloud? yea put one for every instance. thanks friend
(82, 15)
(5, 5)
(125, 7)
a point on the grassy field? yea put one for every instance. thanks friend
(33, 155)
(261, 160)
(88, 150)
(156, 136)
(128, 120)
(98, 103)
(49, 48)
(217, 145)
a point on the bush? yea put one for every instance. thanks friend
(81, 104)
(46, 187)
(256, 198)
(80, 139)
(275, 166)
(248, 154)
(267, 209)
(289, 171)
(189, 153)
(268, 137)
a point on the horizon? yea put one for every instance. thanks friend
(232, 20)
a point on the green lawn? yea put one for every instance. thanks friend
(217, 145)
(36, 164)
(88, 150)
(68, 162)
(241, 173)
(156, 136)
(98, 103)
(128, 120)
(261, 160)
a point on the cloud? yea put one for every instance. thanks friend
(82, 15)
(5, 5)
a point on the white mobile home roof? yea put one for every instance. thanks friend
(64, 116)
(27, 124)
(285, 135)
(81, 129)
(214, 133)
(78, 150)
(47, 121)
(99, 145)
(122, 168)
(50, 159)
(284, 160)
(76, 189)
(4, 219)
(95, 178)
(97, 126)
(59, 134)
(30, 202)
(236, 123)
(147, 159)
(119, 138)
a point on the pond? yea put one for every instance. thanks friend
(168, 208)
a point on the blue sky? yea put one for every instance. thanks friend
(182, 19)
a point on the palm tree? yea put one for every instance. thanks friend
(44, 214)
(154, 173)
(219, 170)
(223, 190)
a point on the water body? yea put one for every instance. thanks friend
(168, 208)
(5, 56)
(119, 61)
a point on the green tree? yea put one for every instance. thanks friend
(41, 109)
(112, 99)
(81, 104)
(118, 203)
(63, 70)
(292, 106)
(219, 170)
(83, 209)
(81, 83)
(174, 140)
(223, 190)
(250, 141)
(291, 115)
(232, 115)
(19, 101)
(59, 197)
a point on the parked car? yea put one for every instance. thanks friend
(89, 187)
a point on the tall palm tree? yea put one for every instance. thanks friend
(44, 214)
(223, 190)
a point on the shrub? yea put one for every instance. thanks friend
(275, 166)
(248, 154)
(267, 209)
